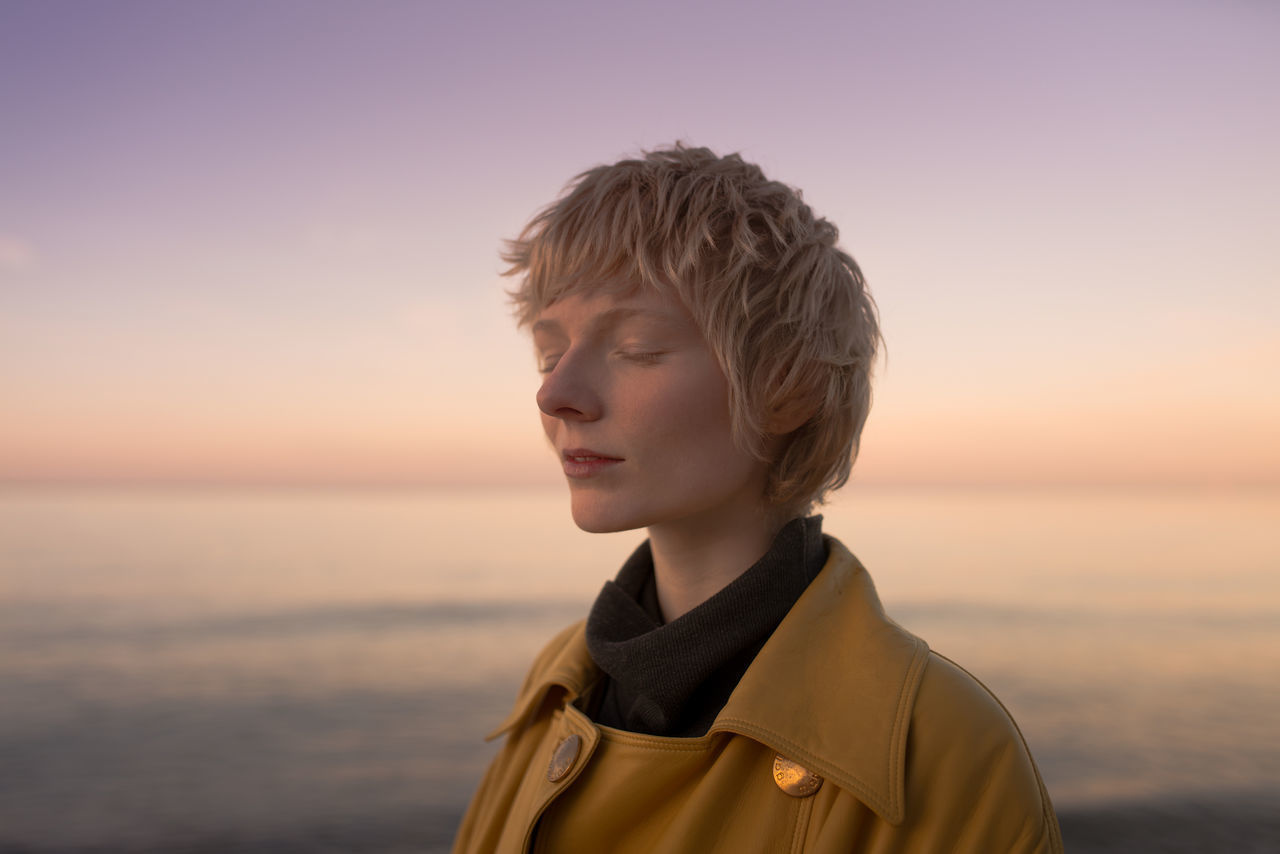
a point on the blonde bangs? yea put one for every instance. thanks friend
(595, 237)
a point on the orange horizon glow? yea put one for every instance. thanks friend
(1018, 449)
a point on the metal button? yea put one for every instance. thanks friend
(562, 760)
(794, 779)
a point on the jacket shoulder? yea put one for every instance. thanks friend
(969, 765)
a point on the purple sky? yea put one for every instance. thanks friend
(257, 241)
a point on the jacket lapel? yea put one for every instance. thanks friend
(564, 662)
(834, 686)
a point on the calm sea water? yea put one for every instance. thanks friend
(303, 671)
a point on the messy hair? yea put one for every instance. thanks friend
(786, 312)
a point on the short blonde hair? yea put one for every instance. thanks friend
(786, 312)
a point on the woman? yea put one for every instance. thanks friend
(706, 352)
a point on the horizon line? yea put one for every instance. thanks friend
(530, 485)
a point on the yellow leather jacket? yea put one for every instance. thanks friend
(846, 734)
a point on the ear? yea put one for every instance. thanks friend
(790, 415)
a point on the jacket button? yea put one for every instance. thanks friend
(562, 760)
(794, 779)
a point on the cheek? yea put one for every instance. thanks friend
(699, 416)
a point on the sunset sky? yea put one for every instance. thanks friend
(246, 242)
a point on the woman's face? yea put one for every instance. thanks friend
(637, 409)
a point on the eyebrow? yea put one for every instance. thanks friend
(604, 320)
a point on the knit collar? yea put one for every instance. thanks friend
(673, 678)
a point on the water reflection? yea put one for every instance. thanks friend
(186, 663)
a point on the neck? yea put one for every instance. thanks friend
(697, 559)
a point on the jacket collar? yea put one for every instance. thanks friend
(832, 689)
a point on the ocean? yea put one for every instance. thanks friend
(186, 670)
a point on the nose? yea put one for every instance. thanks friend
(569, 392)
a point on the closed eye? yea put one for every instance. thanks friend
(644, 358)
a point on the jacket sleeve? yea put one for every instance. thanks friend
(972, 786)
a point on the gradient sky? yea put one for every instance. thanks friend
(256, 242)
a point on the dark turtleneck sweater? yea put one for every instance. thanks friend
(672, 679)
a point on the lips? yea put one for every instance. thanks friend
(585, 454)
(584, 463)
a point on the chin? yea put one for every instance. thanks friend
(595, 517)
